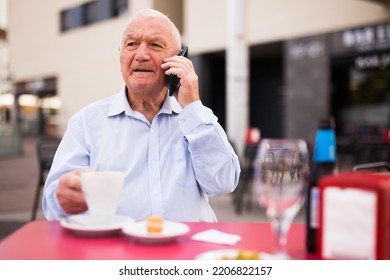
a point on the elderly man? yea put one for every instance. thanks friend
(172, 150)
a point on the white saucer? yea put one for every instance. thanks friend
(171, 230)
(228, 254)
(88, 225)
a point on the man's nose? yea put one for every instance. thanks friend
(142, 53)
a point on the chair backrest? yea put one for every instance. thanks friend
(46, 148)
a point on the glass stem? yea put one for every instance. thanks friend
(280, 227)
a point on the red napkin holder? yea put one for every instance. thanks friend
(355, 216)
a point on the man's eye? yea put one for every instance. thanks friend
(132, 45)
(156, 46)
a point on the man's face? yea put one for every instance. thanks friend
(145, 44)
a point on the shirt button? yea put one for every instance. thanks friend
(152, 131)
(199, 163)
(155, 193)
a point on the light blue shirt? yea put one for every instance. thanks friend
(171, 165)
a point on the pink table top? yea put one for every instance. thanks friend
(46, 240)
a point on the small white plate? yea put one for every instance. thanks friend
(170, 231)
(88, 225)
(228, 254)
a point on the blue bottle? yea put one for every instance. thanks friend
(324, 163)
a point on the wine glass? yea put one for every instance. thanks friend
(280, 178)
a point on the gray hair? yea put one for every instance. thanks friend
(151, 13)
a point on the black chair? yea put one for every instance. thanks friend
(242, 196)
(46, 148)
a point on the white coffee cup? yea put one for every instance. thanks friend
(102, 191)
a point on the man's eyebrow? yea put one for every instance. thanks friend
(152, 38)
(131, 37)
(158, 39)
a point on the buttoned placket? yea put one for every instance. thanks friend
(155, 190)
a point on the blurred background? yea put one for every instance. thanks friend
(266, 68)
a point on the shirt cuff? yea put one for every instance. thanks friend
(195, 115)
(52, 209)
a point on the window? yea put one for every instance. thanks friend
(119, 7)
(97, 11)
(72, 18)
(92, 12)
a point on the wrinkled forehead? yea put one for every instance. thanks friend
(149, 27)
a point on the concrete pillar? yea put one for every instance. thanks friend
(237, 77)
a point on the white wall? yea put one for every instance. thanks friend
(3, 14)
(276, 20)
(307, 17)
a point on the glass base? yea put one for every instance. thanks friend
(280, 256)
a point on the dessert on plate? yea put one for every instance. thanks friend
(154, 224)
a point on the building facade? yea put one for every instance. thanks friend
(68, 49)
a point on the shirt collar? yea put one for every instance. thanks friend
(170, 106)
(120, 104)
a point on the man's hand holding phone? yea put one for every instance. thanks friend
(173, 79)
(186, 91)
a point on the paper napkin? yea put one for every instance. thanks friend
(349, 211)
(217, 237)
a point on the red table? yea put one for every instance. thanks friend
(46, 240)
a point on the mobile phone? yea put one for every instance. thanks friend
(173, 79)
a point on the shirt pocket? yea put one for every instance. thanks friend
(184, 171)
